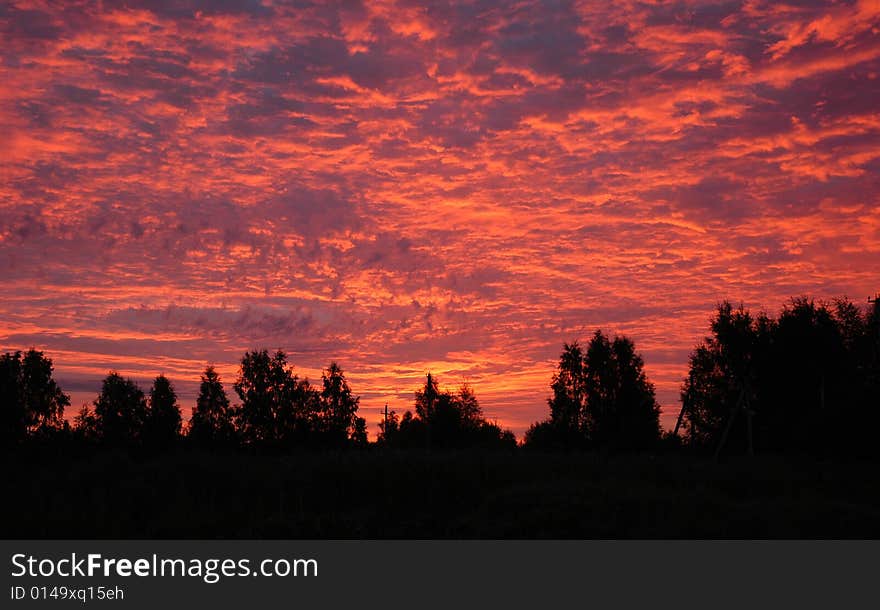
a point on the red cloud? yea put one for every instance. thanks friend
(460, 187)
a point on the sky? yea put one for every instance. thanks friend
(423, 186)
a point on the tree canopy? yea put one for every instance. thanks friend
(444, 420)
(120, 410)
(601, 398)
(30, 400)
(163, 421)
(337, 409)
(212, 417)
(809, 377)
(276, 405)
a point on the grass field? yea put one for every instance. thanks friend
(370, 494)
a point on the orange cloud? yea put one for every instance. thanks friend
(457, 187)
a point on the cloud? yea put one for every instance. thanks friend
(456, 187)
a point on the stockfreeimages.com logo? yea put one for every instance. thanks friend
(210, 571)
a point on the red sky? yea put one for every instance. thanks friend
(420, 186)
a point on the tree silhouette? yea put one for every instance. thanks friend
(120, 410)
(565, 428)
(569, 392)
(14, 416)
(545, 435)
(276, 405)
(870, 355)
(359, 432)
(337, 408)
(162, 424)
(601, 398)
(389, 429)
(427, 398)
(468, 406)
(807, 352)
(444, 420)
(807, 380)
(724, 367)
(621, 410)
(411, 432)
(212, 418)
(633, 422)
(30, 400)
(806, 375)
(85, 425)
(445, 424)
(857, 399)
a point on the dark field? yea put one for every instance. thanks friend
(441, 495)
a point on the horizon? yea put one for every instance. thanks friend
(187, 389)
(404, 188)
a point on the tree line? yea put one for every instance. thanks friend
(443, 419)
(277, 409)
(807, 380)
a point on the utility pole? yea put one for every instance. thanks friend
(680, 418)
(743, 404)
(876, 318)
(876, 303)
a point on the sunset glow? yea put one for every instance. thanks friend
(408, 187)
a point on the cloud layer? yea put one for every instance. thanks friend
(413, 186)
